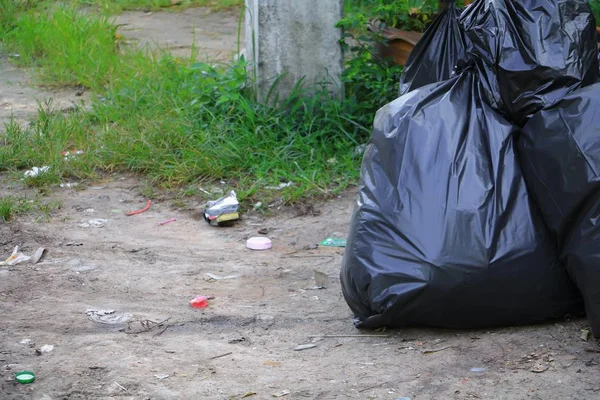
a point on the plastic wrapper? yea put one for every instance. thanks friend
(223, 210)
(444, 233)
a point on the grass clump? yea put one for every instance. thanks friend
(182, 123)
(115, 6)
(178, 122)
(68, 46)
(12, 206)
(7, 209)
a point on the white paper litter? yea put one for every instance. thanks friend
(15, 258)
(109, 317)
(221, 278)
(94, 223)
(35, 171)
(281, 186)
(47, 348)
(305, 347)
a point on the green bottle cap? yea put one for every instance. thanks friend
(25, 377)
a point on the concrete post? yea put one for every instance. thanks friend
(289, 41)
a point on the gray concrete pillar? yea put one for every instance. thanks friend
(288, 41)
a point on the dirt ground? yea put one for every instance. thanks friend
(19, 98)
(256, 320)
(214, 34)
(242, 345)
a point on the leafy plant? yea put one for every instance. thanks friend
(595, 4)
(411, 15)
(370, 81)
(177, 122)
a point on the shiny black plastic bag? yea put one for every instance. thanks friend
(434, 57)
(444, 233)
(531, 52)
(560, 156)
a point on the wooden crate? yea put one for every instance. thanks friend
(398, 43)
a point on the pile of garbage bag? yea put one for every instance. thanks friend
(479, 200)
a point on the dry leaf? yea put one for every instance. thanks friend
(272, 363)
(584, 334)
(538, 368)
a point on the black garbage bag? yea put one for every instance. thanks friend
(559, 151)
(434, 57)
(531, 52)
(444, 233)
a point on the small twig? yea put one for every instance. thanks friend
(123, 388)
(161, 332)
(147, 326)
(158, 323)
(503, 351)
(310, 256)
(373, 387)
(222, 355)
(348, 336)
(474, 395)
(431, 351)
(592, 350)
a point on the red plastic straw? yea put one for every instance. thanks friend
(130, 213)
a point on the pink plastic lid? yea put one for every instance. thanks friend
(259, 243)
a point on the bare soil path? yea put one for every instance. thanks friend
(244, 342)
(214, 34)
(19, 99)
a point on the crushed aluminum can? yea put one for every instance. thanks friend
(223, 211)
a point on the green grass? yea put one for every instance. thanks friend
(11, 207)
(7, 209)
(9, 7)
(185, 124)
(115, 6)
(179, 123)
(69, 47)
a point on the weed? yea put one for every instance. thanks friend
(596, 8)
(43, 180)
(7, 209)
(189, 191)
(116, 6)
(148, 191)
(45, 210)
(179, 203)
(173, 120)
(70, 47)
(41, 144)
(11, 207)
(9, 9)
